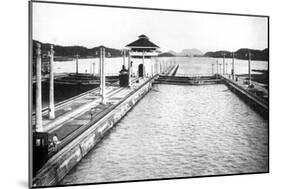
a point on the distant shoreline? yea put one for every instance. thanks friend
(66, 58)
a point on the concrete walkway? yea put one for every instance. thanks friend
(76, 116)
(258, 89)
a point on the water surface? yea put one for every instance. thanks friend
(179, 131)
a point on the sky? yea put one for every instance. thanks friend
(91, 26)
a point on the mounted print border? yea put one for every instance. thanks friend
(127, 94)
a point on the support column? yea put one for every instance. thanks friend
(39, 127)
(226, 65)
(212, 69)
(51, 90)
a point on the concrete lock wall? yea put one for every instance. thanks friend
(254, 102)
(62, 162)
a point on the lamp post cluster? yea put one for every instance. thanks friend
(225, 67)
(38, 116)
(249, 68)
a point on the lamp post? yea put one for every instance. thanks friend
(143, 73)
(129, 69)
(38, 126)
(102, 76)
(249, 68)
(232, 70)
(223, 54)
(124, 56)
(217, 66)
(76, 56)
(51, 88)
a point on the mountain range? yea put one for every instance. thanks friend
(71, 51)
(187, 52)
(241, 54)
(64, 52)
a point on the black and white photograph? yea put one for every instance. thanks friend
(125, 94)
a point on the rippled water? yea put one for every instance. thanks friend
(179, 131)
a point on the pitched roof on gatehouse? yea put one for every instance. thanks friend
(142, 42)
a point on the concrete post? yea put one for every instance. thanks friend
(51, 89)
(38, 127)
(249, 68)
(129, 69)
(76, 63)
(212, 69)
(226, 68)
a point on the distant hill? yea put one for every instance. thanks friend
(190, 52)
(241, 54)
(173, 53)
(71, 51)
(166, 54)
(187, 52)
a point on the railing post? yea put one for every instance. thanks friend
(39, 127)
(51, 88)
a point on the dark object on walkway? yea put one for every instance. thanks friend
(124, 77)
(141, 70)
(40, 150)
